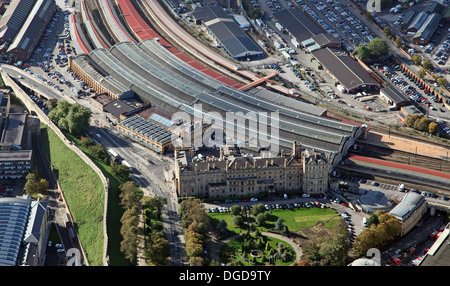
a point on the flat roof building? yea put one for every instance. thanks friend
(14, 130)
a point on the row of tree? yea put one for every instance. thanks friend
(130, 230)
(382, 229)
(421, 123)
(194, 221)
(156, 244)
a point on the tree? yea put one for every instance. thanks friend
(154, 203)
(422, 124)
(236, 210)
(120, 171)
(387, 31)
(378, 47)
(238, 220)
(398, 42)
(222, 227)
(99, 152)
(421, 73)
(157, 249)
(42, 186)
(279, 224)
(433, 128)
(258, 208)
(261, 218)
(410, 120)
(442, 81)
(129, 194)
(417, 59)
(427, 64)
(73, 118)
(87, 142)
(32, 185)
(363, 52)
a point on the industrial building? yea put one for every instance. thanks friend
(393, 97)
(22, 26)
(346, 70)
(426, 31)
(227, 33)
(343, 69)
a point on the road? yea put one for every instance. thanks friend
(153, 172)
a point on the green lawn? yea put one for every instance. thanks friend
(294, 219)
(84, 193)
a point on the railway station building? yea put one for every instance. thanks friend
(167, 83)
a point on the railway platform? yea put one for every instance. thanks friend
(407, 145)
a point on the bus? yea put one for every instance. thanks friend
(125, 163)
(112, 155)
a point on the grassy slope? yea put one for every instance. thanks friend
(84, 193)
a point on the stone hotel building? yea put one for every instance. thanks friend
(233, 175)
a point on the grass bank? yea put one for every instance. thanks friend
(83, 191)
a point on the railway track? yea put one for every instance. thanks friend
(402, 157)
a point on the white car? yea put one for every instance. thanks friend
(305, 196)
(253, 199)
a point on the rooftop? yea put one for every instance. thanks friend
(298, 24)
(410, 202)
(347, 70)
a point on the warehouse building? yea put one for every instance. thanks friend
(31, 30)
(298, 24)
(426, 31)
(227, 33)
(346, 70)
(393, 97)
